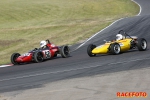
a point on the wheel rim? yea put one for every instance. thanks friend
(39, 57)
(66, 51)
(92, 49)
(116, 49)
(143, 44)
(15, 57)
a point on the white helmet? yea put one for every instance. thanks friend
(119, 37)
(42, 43)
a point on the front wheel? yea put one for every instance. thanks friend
(141, 44)
(115, 48)
(14, 56)
(89, 50)
(64, 51)
(38, 57)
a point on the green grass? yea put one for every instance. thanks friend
(24, 23)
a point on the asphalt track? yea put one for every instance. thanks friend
(79, 64)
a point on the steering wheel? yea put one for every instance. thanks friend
(35, 48)
(122, 32)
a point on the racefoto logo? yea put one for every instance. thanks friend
(131, 94)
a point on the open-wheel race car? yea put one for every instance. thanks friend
(123, 43)
(47, 51)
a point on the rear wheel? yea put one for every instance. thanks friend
(14, 56)
(89, 50)
(115, 48)
(141, 44)
(64, 51)
(38, 57)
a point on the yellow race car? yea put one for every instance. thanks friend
(123, 43)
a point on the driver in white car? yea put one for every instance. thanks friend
(119, 37)
(43, 44)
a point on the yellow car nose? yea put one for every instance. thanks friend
(95, 51)
(101, 49)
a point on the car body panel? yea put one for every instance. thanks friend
(124, 44)
(102, 49)
(24, 58)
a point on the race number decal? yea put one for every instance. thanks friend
(47, 54)
(121, 44)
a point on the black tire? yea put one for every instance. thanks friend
(55, 55)
(38, 57)
(89, 50)
(64, 51)
(141, 44)
(13, 58)
(115, 48)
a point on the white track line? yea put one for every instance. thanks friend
(139, 6)
(93, 66)
(107, 27)
(97, 33)
(5, 65)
